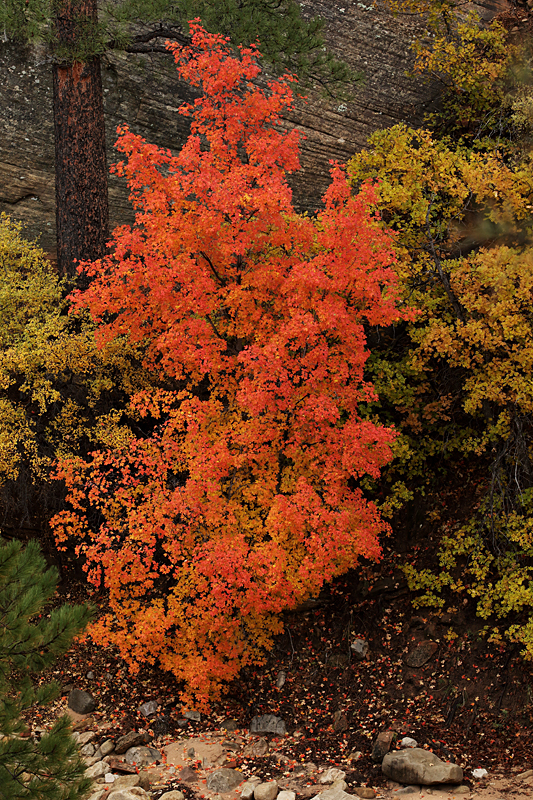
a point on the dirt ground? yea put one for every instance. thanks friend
(469, 702)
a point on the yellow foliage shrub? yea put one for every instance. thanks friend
(59, 392)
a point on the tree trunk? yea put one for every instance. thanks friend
(82, 211)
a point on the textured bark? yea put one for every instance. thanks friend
(82, 211)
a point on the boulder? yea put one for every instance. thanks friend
(189, 775)
(118, 765)
(81, 702)
(280, 680)
(382, 745)
(256, 749)
(131, 739)
(107, 747)
(173, 795)
(142, 755)
(149, 777)
(266, 791)
(340, 722)
(85, 737)
(125, 781)
(408, 742)
(359, 648)
(135, 793)
(230, 725)
(479, 773)
(148, 709)
(332, 775)
(97, 770)
(417, 766)
(247, 791)
(335, 793)
(421, 654)
(286, 794)
(268, 723)
(224, 780)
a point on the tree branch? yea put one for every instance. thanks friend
(444, 279)
(141, 42)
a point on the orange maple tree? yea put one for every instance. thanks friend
(240, 495)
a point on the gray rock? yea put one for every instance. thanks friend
(90, 676)
(230, 725)
(340, 784)
(247, 791)
(81, 702)
(366, 792)
(188, 774)
(479, 773)
(256, 749)
(126, 781)
(90, 760)
(194, 716)
(224, 780)
(406, 790)
(359, 648)
(142, 755)
(286, 794)
(280, 680)
(88, 749)
(149, 708)
(332, 775)
(408, 742)
(354, 756)
(85, 737)
(333, 794)
(106, 747)
(173, 795)
(415, 765)
(134, 793)
(131, 739)
(97, 770)
(266, 791)
(98, 795)
(421, 654)
(268, 723)
(149, 778)
(382, 745)
(340, 722)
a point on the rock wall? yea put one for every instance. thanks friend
(145, 92)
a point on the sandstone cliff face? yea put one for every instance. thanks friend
(145, 93)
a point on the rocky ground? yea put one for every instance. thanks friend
(356, 664)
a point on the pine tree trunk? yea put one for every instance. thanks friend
(82, 212)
